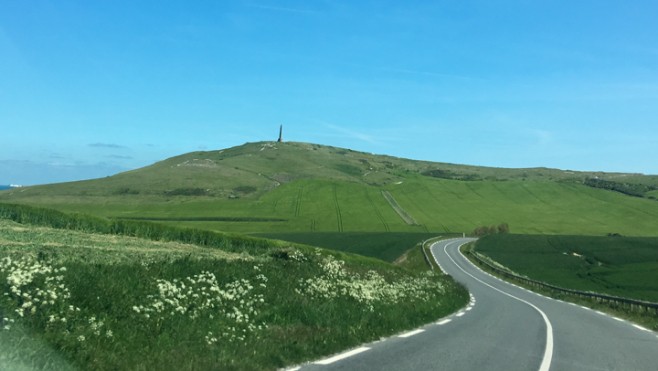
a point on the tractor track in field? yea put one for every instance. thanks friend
(377, 212)
(451, 210)
(548, 204)
(339, 215)
(298, 201)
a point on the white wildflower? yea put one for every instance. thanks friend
(201, 296)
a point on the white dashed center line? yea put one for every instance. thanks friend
(411, 333)
(342, 356)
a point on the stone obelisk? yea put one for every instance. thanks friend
(280, 134)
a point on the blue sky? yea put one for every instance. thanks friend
(92, 88)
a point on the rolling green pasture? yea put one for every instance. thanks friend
(528, 207)
(439, 206)
(619, 266)
(270, 187)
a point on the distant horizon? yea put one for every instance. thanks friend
(91, 89)
(8, 185)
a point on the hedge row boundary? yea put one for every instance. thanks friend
(24, 214)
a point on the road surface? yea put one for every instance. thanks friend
(505, 327)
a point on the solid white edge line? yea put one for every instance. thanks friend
(641, 328)
(411, 333)
(617, 319)
(294, 368)
(443, 322)
(341, 356)
(548, 351)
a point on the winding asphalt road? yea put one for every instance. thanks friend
(507, 328)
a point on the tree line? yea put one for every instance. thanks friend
(492, 229)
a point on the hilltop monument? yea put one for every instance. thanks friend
(280, 140)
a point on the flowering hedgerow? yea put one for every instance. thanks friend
(37, 290)
(235, 305)
(368, 288)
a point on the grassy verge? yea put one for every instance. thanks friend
(419, 257)
(71, 298)
(646, 319)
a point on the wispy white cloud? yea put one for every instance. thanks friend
(429, 73)
(106, 145)
(543, 137)
(352, 133)
(119, 157)
(283, 9)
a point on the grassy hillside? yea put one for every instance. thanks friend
(255, 168)
(296, 187)
(439, 206)
(76, 299)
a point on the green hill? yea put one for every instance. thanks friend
(271, 187)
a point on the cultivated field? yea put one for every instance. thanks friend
(619, 266)
(438, 205)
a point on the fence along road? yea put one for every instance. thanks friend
(504, 328)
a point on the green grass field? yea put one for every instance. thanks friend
(74, 299)
(305, 188)
(439, 205)
(619, 266)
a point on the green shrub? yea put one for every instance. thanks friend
(245, 189)
(187, 192)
